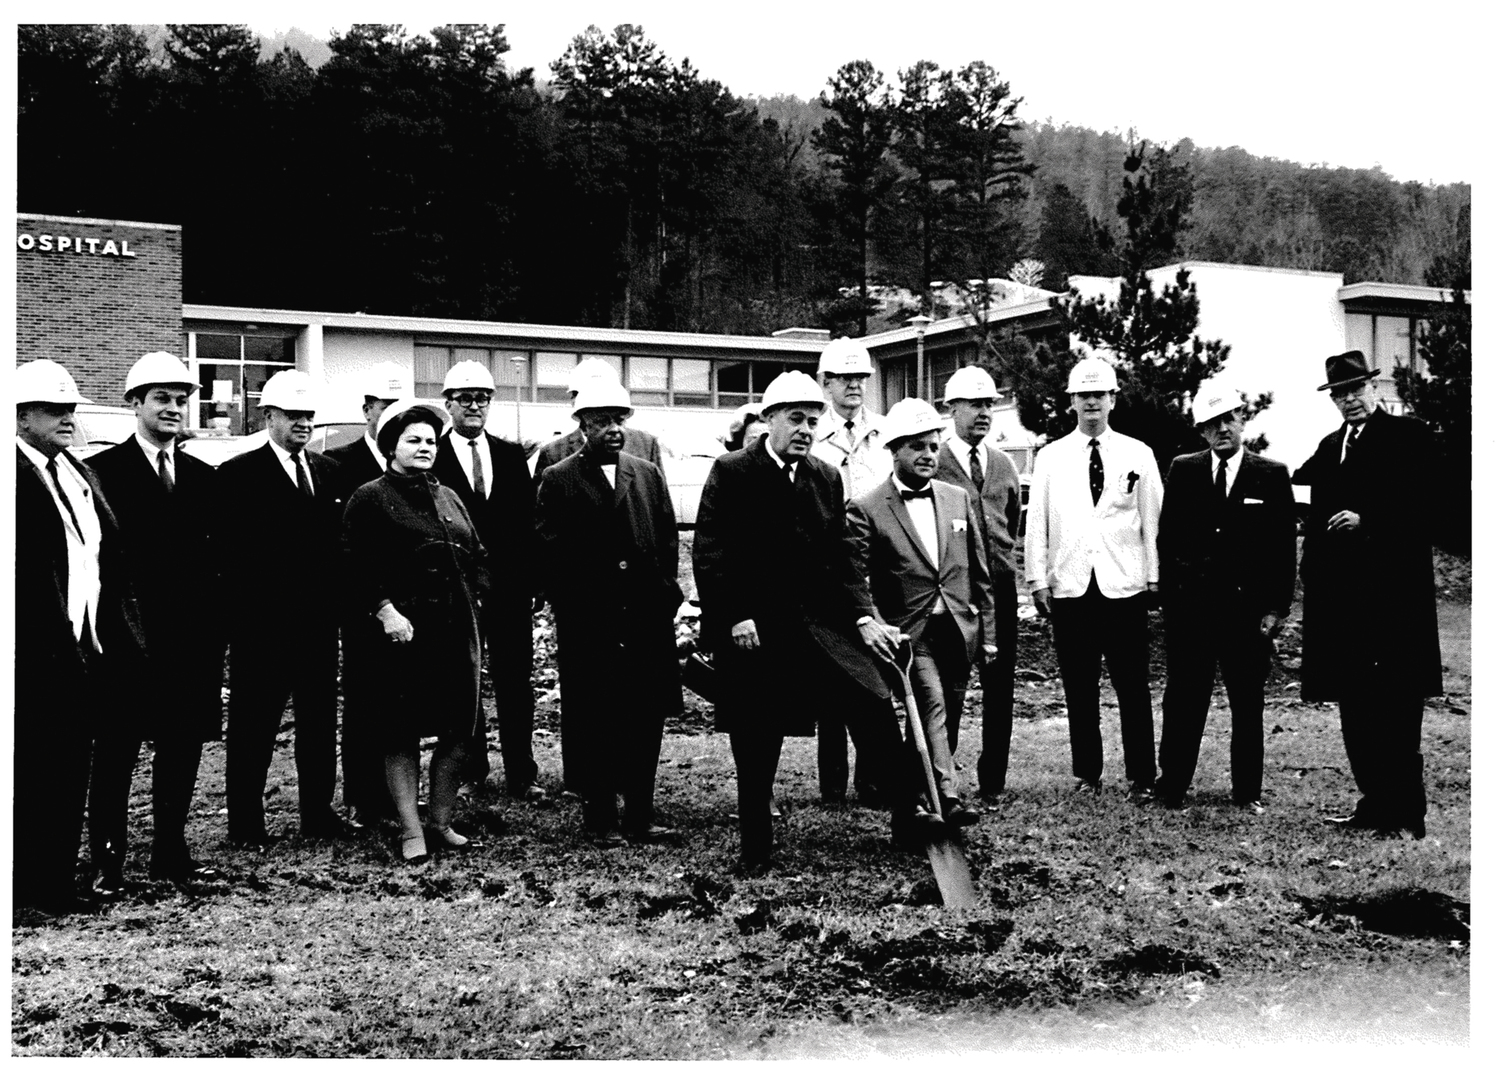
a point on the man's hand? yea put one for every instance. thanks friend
(1270, 626)
(397, 628)
(1344, 520)
(1042, 598)
(990, 653)
(744, 635)
(880, 639)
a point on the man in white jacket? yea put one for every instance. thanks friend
(1090, 559)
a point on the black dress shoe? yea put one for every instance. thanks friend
(655, 833)
(958, 814)
(608, 840)
(1417, 829)
(108, 885)
(1352, 822)
(914, 832)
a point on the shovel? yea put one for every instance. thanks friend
(945, 851)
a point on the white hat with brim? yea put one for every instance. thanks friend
(157, 369)
(1212, 399)
(43, 381)
(791, 387)
(602, 394)
(387, 382)
(909, 417)
(291, 391)
(1092, 376)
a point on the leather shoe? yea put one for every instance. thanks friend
(532, 793)
(1417, 829)
(958, 814)
(913, 832)
(1087, 786)
(608, 840)
(655, 833)
(1351, 822)
(108, 885)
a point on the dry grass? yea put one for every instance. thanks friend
(1102, 925)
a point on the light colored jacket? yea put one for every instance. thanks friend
(862, 461)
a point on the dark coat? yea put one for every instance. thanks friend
(356, 466)
(408, 541)
(904, 582)
(1246, 549)
(780, 554)
(610, 561)
(48, 656)
(638, 443)
(998, 504)
(282, 547)
(505, 520)
(1369, 595)
(169, 547)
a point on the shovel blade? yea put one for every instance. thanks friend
(951, 869)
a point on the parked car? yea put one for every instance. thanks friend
(687, 460)
(99, 426)
(215, 448)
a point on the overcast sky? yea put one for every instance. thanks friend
(1313, 81)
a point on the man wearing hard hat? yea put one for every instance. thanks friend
(638, 443)
(781, 597)
(1090, 559)
(993, 485)
(78, 639)
(1370, 620)
(849, 439)
(607, 538)
(1228, 569)
(165, 501)
(920, 543)
(366, 793)
(490, 476)
(279, 524)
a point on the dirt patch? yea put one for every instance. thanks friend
(1412, 912)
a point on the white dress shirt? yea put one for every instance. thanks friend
(463, 448)
(1068, 539)
(859, 455)
(1233, 468)
(153, 452)
(290, 468)
(924, 515)
(961, 449)
(610, 470)
(83, 550)
(781, 464)
(374, 449)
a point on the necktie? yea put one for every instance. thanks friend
(63, 494)
(479, 488)
(848, 425)
(304, 484)
(975, 468)
(1095, 471)
(1220, 484)
(1348, 446)
(161, 470)
(924, 492)
(786, 471)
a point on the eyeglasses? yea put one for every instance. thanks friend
(469, 400)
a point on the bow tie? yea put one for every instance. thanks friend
(924, 492)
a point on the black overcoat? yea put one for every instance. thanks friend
(167, 540)
(1370, 602)
(638, 443)
(609, 561)
(780, 554)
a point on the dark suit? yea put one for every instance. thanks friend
(363, 756)
(64, 686)
(504, 520)
(905, 584)
(638, 443)
(609, 556)
(779, 553)
(168, 545)
(1224, 566)
(1370, 625)
(283, 636)
(998, 506)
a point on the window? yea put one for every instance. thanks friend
(733, 383)
(232, 371)
(429, 368)
(511, 369)
(617, 362)
(647, 381)
(690, 383)
(552, 372)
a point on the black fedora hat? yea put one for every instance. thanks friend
(1346, 369)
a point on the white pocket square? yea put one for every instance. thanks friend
(1254, 501)
(960, 526)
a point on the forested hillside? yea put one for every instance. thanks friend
(421, 174)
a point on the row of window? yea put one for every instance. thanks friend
(652, 380)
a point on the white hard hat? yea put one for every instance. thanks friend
(845, 356)
(589, 369)
(291, 391)
(43, 381)
(1213, 398)
(387, 381)
(971, 384)
(908, 417)
(405, 404)
(157, 369)
(791, 387)
(470, 374)
(602, 393)
(1092, 376)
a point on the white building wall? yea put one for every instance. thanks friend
(349, 356)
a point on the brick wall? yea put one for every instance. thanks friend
(97, 313)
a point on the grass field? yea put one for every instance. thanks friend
(1102, 925)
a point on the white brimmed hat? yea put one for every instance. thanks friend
(908, 417)
(791, 387)
(43, 381)
(970, 384)
(1212, 399)
(157, 369)
(589, 369)
(470, 374)
(401, 405)
(1092, 376)
(845, 356)
(291, 391)
(387, 381)
(602, 393)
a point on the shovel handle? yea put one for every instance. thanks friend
(913, 723)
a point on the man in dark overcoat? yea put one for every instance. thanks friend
(490, 477)
(638, 443)
(608, 542)
(366, 795)
(993, 485)
(1227, 543)
(1370, 624)
(79, 640)
(164, 501)
(781, 599)
(279, 520)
